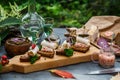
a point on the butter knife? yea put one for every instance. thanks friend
(105, 71)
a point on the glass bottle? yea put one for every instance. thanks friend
(33, 23)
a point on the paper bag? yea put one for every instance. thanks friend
(105, 23)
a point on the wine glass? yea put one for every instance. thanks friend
(48, 26)
(54, 38)
(48, 30)
(32, 30)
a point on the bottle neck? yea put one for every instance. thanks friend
(31, 6)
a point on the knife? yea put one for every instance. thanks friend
(105, 71)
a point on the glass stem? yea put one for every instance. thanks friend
(31, 6)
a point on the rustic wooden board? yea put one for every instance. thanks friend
(47, 63)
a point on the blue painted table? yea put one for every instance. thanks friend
(78, 70)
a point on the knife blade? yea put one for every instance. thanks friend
(105, 71)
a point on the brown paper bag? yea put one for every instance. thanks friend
(105, 23)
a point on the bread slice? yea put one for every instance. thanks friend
(26, 58)
(47, 54)
(80, 47)
(60, 51)
(108, 35)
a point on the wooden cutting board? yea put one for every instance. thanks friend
(47, 63)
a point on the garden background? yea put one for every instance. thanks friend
(66, 13)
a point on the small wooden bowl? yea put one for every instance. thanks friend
(17, 46)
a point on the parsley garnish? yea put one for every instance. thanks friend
(40, 47)
(68, 52)
(33, 59)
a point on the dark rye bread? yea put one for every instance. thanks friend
(47, 54)
(60, 51)
(83, 48)
(26, 57)
(117, 39)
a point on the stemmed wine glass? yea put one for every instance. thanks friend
(48, 26)
(48, 30)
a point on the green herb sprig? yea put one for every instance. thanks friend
(33, 59)
(68, 52)
(0, 67)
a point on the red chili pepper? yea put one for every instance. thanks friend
(63, 74)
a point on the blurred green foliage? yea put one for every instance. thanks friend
(66, 13)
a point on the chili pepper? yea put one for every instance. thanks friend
(61, 73)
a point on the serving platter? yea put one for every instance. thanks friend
(47, 63)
